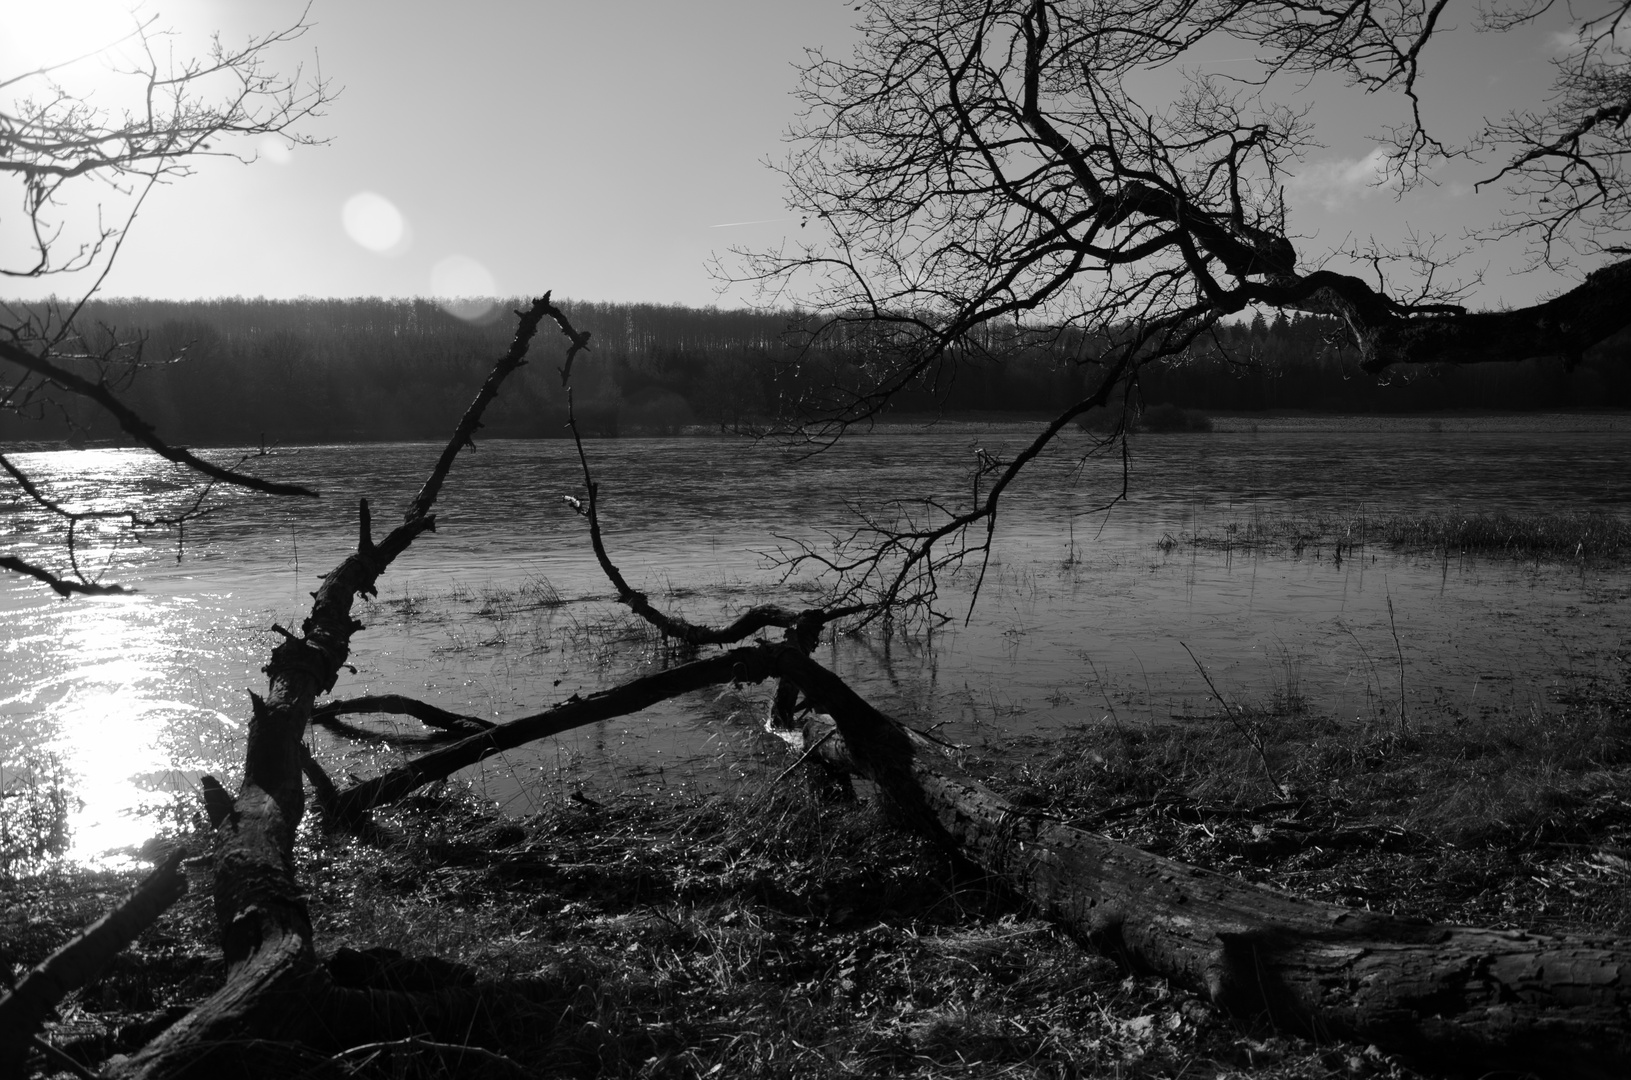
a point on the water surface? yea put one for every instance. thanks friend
(118, 705)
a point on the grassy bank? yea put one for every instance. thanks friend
(764, 935)
(771, 933)
(1565, 536)
(1497, 817)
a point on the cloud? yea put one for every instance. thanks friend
(1340, 183)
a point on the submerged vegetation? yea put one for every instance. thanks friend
(1558, 536)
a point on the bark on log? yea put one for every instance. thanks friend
(1458, 997)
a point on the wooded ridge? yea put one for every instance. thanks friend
(240, 372)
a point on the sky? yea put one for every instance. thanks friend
(608, 149)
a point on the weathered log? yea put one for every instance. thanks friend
(26, 1007)
(1455, 996)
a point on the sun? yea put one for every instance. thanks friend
(47, 34)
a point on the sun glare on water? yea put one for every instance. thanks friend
(106, 720)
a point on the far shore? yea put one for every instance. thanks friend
(1222, 423)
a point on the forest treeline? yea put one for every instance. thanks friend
(239, 372)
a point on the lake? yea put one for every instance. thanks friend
(112, 708)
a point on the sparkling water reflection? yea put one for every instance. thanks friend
(111, 708)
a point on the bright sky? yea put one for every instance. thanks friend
(602, 148)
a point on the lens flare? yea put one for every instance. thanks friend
(274, 149)
(464, 288)
(373, 221)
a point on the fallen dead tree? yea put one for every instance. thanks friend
(1453, 996)
(1449, 995)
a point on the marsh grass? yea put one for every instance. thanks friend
(1585, 536)
(1517, 816)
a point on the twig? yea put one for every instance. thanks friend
(62, 1060)
(64, 587)
(415, 1042)
(1240, 725)
(806, 756)
(749, 622)
(1404, 729)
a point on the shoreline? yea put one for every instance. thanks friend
(1223, 423)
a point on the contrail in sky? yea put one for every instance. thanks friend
(760, 221)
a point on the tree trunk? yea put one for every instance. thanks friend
(1454, 996)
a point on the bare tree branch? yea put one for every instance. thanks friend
(64, 587)
(745, 625)
(405, 706)
(24, 1008)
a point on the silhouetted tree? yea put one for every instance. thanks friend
(980, 164)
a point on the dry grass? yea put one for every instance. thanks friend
(762, 934)
(766, 934)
